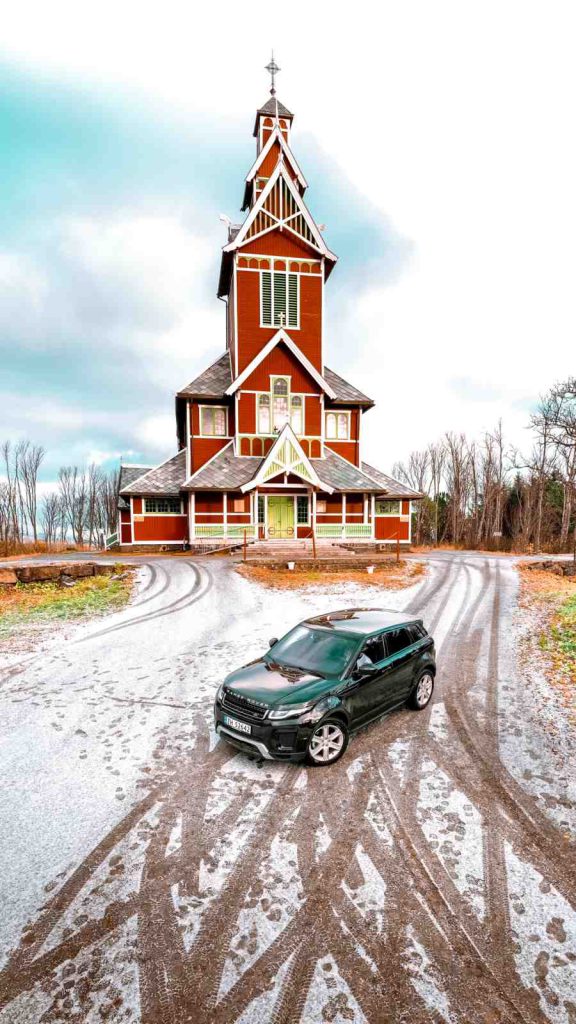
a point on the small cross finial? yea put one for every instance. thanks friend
(272, 69)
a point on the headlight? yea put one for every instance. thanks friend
(219, 693)
(290, 710)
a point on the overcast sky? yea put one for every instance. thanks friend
(438, 142)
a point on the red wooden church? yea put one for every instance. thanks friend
(269, 438)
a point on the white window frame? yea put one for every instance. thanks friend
(272, 271)
(213, 407)
(341, 412)
(389, 501)
(160, 497)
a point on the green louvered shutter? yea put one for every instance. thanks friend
(266, 287)
(280, 300)
(292, 300)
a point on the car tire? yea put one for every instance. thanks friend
(327, 743)
(422, 693)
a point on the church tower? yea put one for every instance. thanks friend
(269, 436)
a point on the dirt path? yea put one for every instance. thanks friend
(154, 875)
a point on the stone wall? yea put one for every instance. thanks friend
(42, 573)
(557, 568)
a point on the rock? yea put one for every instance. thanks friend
(38, 573)
(66, 581)
(8, 578)
(103, 569)
(78, 569)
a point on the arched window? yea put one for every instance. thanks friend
(280, 414)
(296, 414)
(264, 414)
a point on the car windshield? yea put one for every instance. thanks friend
(316, 651)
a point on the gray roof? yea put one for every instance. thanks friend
(270, 108)
(226, 471)
(345, 392)
(167, 478)
(213, 382)
(128, 474)
(390, 486)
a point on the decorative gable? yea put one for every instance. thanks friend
(286, 457)
(280, 206)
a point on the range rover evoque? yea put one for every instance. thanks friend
(327, 678)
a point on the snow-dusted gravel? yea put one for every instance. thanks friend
(151, 874)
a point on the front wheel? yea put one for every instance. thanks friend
(327, 743)
(423, 691)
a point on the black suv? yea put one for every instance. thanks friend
(325, 679)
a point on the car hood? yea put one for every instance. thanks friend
(269, 683)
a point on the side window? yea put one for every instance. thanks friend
(397, 640)
(372, 651)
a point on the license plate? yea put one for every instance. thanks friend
(235, 724)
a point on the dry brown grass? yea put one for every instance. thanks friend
(391, 575)
(27, 548)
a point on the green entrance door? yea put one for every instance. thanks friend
(280, 517)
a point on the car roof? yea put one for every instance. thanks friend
(361, 621)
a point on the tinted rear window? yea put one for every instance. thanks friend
(398, 639)
(416, 632)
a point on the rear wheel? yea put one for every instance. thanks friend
(328, 742)
(422, 693)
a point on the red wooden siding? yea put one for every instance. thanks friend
(246, 413)
(347, 449)
(252, 337)
(280, 243)
(391, 527)
(158, 529)
(281, 361)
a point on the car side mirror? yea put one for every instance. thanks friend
(273, 641)
(365, 671)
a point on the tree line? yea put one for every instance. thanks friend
(82, 509)
(484, 493)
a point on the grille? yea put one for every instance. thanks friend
(234, 702)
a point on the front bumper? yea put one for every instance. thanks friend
(283, 740)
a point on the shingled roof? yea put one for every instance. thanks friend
(269, 110)
(128, 474)
(226, 471)
(345, 392)
(392, 488)
(167, 478)
(214, 382)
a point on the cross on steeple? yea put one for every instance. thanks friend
(272, 69)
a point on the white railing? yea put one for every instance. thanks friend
(225, 531)
(343, 531)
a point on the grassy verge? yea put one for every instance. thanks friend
(34, 607)
(388, 575)
(551, 600)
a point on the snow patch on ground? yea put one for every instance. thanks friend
(438, 724)
(425, 979)
(329, 998)
(537, 740)
(453, 828)
(398, 757)
(262, 1008)
(545, 925)
(270, 905)
(369, 897)
(373, 814)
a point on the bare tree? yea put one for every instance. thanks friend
(31, 457)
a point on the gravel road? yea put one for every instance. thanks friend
(149, 873)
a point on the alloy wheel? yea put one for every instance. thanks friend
(424, 689)
(326, 743)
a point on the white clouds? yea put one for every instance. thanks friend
(157, 434)
(454, 119)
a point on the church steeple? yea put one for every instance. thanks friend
(272, 114)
